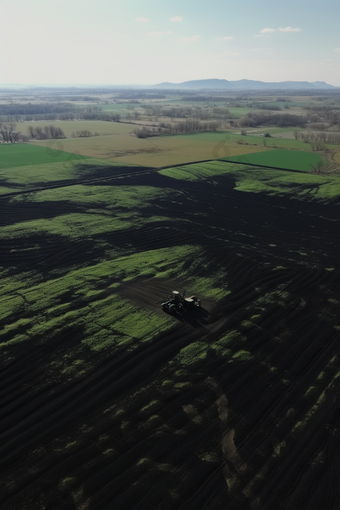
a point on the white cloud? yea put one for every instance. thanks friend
(142, 20)
(176, 18)
(337, 49)
(289, 29)
(169, 32)
(192, 39)
(272, 30)
(228, 38)
(267, 30)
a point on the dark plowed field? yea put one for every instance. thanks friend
(257, 429)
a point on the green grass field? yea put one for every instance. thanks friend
(94, 203)
(106, 319)
(251, 179)
(290, 160)
(26, 177)
(23, 154)
(32, 305)
(238, 112)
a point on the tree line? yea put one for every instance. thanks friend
(45, 133)
(47, 111)
(186, 112)
(9, 134)
(254, 119)
(188, 126)
(314, 138)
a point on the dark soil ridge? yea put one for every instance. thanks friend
(223, 432)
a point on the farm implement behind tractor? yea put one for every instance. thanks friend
(178, 301)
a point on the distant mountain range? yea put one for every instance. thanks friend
(245, 85)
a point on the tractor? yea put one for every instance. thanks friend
(178, 301)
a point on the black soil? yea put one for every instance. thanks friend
(223, 432)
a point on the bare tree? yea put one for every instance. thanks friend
(8, 133)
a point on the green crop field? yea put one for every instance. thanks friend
(106, 319)
(275, 143)
(290, 160)
(304, 186)
(23, 154)
(238, 112)
(29, 176)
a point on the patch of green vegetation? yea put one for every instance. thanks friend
(277, 143)
(193, 353)
(247, 324)
(142, 325)
(74, 225)
(311, 390)
(113, 208)
(290, 160)
(242, 355)
(167, 384)
(30, 176)
(226, 345)
(111, 197)
(302, 425)
(199, 171)
(183, 386)
(209, 456)
(238, 112)
(151, 407)
(260, 180)
(320, 400)
(31, 309)
(204, 286)
(23, 154)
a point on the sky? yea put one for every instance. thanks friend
(144, 42)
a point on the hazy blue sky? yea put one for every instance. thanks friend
(149, 41)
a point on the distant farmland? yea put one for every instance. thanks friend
(159, 150)
(15, 155)
(290, 160)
